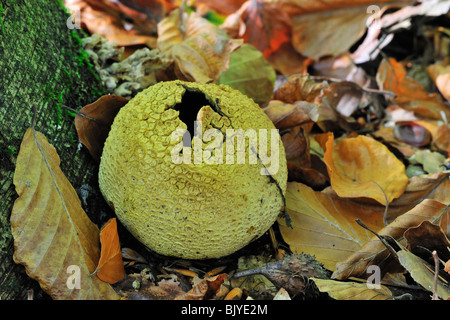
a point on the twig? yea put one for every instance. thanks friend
(78, 113)
(436, 273)
(367, 90)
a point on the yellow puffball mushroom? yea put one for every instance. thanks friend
(193, 170)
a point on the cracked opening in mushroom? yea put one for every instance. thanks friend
(188, 108)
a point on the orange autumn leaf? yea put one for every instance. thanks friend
(262, 24)
(391, 76)
(110, 266)
(364, 167)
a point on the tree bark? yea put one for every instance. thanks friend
(42, 63)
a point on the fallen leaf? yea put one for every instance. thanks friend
(282, 294)
(422, 273)
(342, 67)
(200, 49)
(93, 128)
(225, 7)
(125, 23)
(340, 290)
(324, 225)
(130, 254)
(249, 73)
(301, 88)
(329, 32)
(289, 115)
(447, 266)
(391, 76)
(432, 162)
(440, 73)
(205, 289)
(374, 252)
(234, 294)
(261, 24)
(364, 167)
(425, 238)
(441, 139)
(110, 266)
(53, 237)
(434, 186)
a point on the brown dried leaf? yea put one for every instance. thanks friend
(53, 237)
(375, 253)
(261, 24)
(200, 49)
(205, 289)
(426, 238)
(94, 130)
(125, 23)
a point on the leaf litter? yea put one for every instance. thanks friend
(344, 108)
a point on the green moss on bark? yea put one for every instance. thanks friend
(41, 62)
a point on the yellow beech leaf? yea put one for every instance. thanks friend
(53, 237)
(324, 225)
(340, 290)
(364, 167)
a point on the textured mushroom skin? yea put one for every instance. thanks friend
(192, 211)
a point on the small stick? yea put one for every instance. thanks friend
(436, 273)
(78, 113)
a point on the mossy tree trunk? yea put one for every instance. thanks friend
(41, 62)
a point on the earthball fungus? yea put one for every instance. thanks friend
(194, 170)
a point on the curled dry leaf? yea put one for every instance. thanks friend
(364, 167)
(53, 237)
(426, 238)
(94, 126)
(374, 252)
